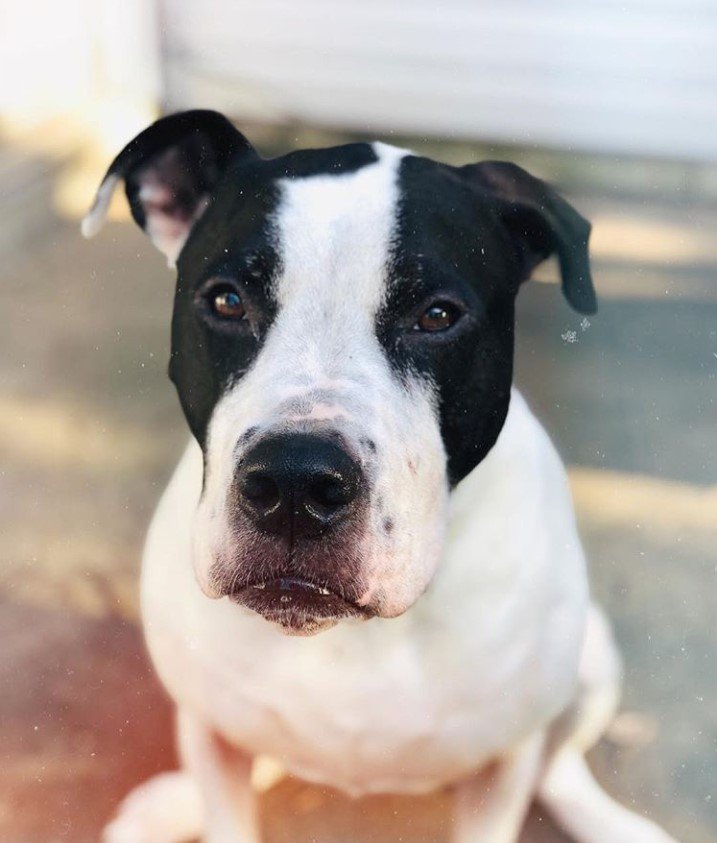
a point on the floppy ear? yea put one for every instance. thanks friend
(170, 170)
(541, 223)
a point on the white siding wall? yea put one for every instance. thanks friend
(614, 75)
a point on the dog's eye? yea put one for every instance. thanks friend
(439, 317)
(226, 302)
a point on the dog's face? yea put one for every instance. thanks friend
(342, 346)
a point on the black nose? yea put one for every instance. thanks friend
(297, 484)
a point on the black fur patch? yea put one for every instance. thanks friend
(235, 239)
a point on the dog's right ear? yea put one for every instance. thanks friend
(170, 170)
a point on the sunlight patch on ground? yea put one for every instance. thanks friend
(662, 508)
(56, 434)
(630, 238)
(89, 575)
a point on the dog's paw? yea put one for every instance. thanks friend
(165, 809)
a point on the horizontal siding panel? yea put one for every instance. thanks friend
(598, 74)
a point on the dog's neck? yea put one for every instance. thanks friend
(511, 518)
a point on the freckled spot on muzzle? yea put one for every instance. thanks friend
(369, 444)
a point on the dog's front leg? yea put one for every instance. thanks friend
(491, 806)
(223, 774)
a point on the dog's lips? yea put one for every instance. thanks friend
(298, 606)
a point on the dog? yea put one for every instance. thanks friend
(366, 564)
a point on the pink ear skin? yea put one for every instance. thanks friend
(170, 170)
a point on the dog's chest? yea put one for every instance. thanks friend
(365, 709)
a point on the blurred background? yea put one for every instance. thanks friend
(614, 101)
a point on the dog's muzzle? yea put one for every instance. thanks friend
(299, 500)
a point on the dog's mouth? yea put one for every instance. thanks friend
(298, 606)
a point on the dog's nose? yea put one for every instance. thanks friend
(296, 485)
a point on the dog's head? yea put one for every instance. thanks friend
(342, 346)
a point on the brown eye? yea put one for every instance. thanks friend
(438, 317)
(226, 303)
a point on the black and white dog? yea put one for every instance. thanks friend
(366, 564)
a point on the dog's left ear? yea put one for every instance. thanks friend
(541, 223)
(170, 170)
